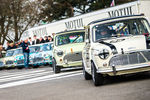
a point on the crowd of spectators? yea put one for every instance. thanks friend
(12, 45)
(40, 40)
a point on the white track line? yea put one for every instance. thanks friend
(20, 73)
(23, 76)
(40, 79)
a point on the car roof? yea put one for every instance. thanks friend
(68, 31)
(107, 19)
(40, 44)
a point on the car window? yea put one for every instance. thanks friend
(76, 37)
(34, 49)
(9, 53)
(45, 47)
(17, 51)
(121, 28)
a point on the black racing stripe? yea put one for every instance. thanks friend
(113, 48)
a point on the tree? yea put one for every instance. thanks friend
(5, 19)
(24, 15)
(16, 16)
(53, 10)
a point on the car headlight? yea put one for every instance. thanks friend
(104, 54)
(60, 53)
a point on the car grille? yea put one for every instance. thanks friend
(73, 57)
(38, 59)
(131, 58)
(9, 62)
(1, 63)
(20, 61)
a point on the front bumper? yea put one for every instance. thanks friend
(10, 66)
(125, 69)
(70, 64)
(41, 62)
(131, 62)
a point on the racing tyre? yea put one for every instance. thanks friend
(97, 78)
(56, 68)
(87, 76)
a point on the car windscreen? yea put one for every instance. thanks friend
(45, 47)
(9, 53)
(34, 49)
(75, 37)
(17, 52)
(121, 28)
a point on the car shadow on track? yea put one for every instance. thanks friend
(71, 69)
(126, 78)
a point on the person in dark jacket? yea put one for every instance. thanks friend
(41, 40)
(46, 39)
(25, 49)
(35, 41)
(50, 38)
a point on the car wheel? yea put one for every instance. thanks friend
(97, 78)
(50, 65)
(87, 76)
(56, 68)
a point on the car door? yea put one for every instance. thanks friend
(86, 49)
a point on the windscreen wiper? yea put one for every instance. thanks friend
(75, 39)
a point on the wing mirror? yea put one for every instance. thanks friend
(87, 41)
(52, 45)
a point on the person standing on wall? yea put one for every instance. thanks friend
(50, 39)
(25, 48)
(41, 40)
(1, 49)
(46, 39)
(35, 41)
(30, 41)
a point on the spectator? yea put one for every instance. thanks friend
(16, 45)
(53, 34)
(46, 39)
(41, 40)
(30, 41)
(50, 39)
(12, 45)
(26, 51)
(8, 46)
(20, 43)
(35, 41)
(1, 49)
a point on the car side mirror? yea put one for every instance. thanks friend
(52, 45)
(3, 53)
(87, 41)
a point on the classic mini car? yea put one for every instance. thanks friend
(46, 51)
(9, 59)
(19, 58)
(116, 46)
(41, 54)
(67, 51)
(33, 56)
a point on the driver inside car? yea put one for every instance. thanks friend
(103, 32)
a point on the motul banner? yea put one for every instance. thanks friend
(78, 22)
